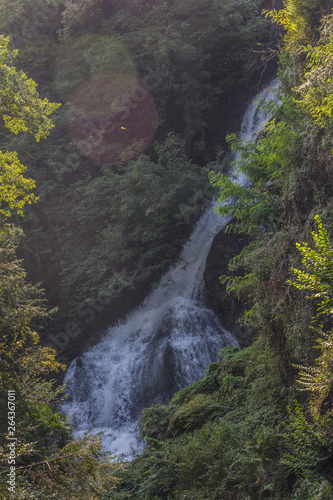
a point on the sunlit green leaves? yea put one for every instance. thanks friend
(20, 106)
(306, 444)
(265, 162)
(317, 278)
(15, 189)
(315, 93)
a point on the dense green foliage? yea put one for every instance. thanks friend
(215, 439)
(120, 182)
(259, 425)
(48, 463)
(136, 234)
(129, 74)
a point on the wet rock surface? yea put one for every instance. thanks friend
(229, 309)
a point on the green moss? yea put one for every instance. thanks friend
(195, 413)
(218, 438)
(155, 421)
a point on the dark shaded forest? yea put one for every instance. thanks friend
(106, 163)
(113, 213)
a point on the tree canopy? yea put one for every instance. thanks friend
(42, 435)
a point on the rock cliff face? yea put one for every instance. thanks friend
(229, 309)
(227, 245)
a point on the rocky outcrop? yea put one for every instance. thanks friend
(229, 309)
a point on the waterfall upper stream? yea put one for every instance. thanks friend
(162, 346)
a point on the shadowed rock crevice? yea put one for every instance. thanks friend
(229, 309)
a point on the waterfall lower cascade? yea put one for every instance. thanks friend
(162, 346)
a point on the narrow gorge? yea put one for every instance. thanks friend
(162, 346)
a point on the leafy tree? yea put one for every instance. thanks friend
(265, 164)
(21, 108)
(15, 188)
(143, 225)
(188, 57)
(318, 278)
(315, 92)
(197, 439)
(317, 281)
(33, 27)
(49, 463)
(310, 440)
(299, 18)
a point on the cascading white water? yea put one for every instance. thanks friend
(162, 346)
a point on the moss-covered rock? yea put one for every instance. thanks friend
(195, 413)
(221, 437)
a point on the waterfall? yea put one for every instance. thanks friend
(162, 346)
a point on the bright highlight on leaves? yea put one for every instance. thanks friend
(15, 189)
(20, 106)
(318, 279)
(22, 111)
